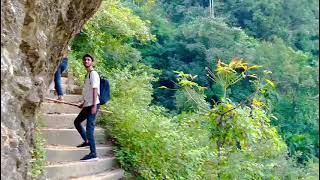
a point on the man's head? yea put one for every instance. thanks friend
(87, 60)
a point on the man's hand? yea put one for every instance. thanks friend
(94, 109)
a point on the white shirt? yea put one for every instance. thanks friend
(87, 93)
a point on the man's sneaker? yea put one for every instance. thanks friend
(60, 98)
(89, 157)
(84, 144)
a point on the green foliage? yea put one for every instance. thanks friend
(76, 67)
(227, 130)
(150, 142)
(242, 165)
(38, 154)
(135, 82)
(218, 39)
(158, 146)
(110, 34)
(190, 100)
(198, 39)
(290, 68)
(179, 11)
(266, 19)
(228, 74)
(246, 144)
(191, 97)
(295, 106)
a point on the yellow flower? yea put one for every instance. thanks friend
(271, 83)
(257, 102)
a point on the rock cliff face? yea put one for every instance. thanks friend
(34, 35)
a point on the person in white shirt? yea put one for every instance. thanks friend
(90, 106)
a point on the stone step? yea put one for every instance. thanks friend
(58, 108)
(64, 80)
(72, 89)
(67, 170)
(61, 121)
(115, 174)
(57, 121)
(70, 137)
(73, 98)
(68, 89)
(72, 153)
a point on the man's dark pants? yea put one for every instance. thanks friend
(87, 134)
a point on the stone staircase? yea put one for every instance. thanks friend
(63, 157)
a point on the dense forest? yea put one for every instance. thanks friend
(224, 89)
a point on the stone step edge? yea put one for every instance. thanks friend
(75, 163)
(59, 114)
(66, 95)
(107, 174)
(73, 148)
(97, 128)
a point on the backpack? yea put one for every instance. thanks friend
(104, 95)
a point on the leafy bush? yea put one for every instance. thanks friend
(232, 138)
(38, 153)
(150, 142)
(231, 141)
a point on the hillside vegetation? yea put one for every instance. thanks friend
(209, 90)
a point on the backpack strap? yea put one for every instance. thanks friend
(89, 75)
(90, 81)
